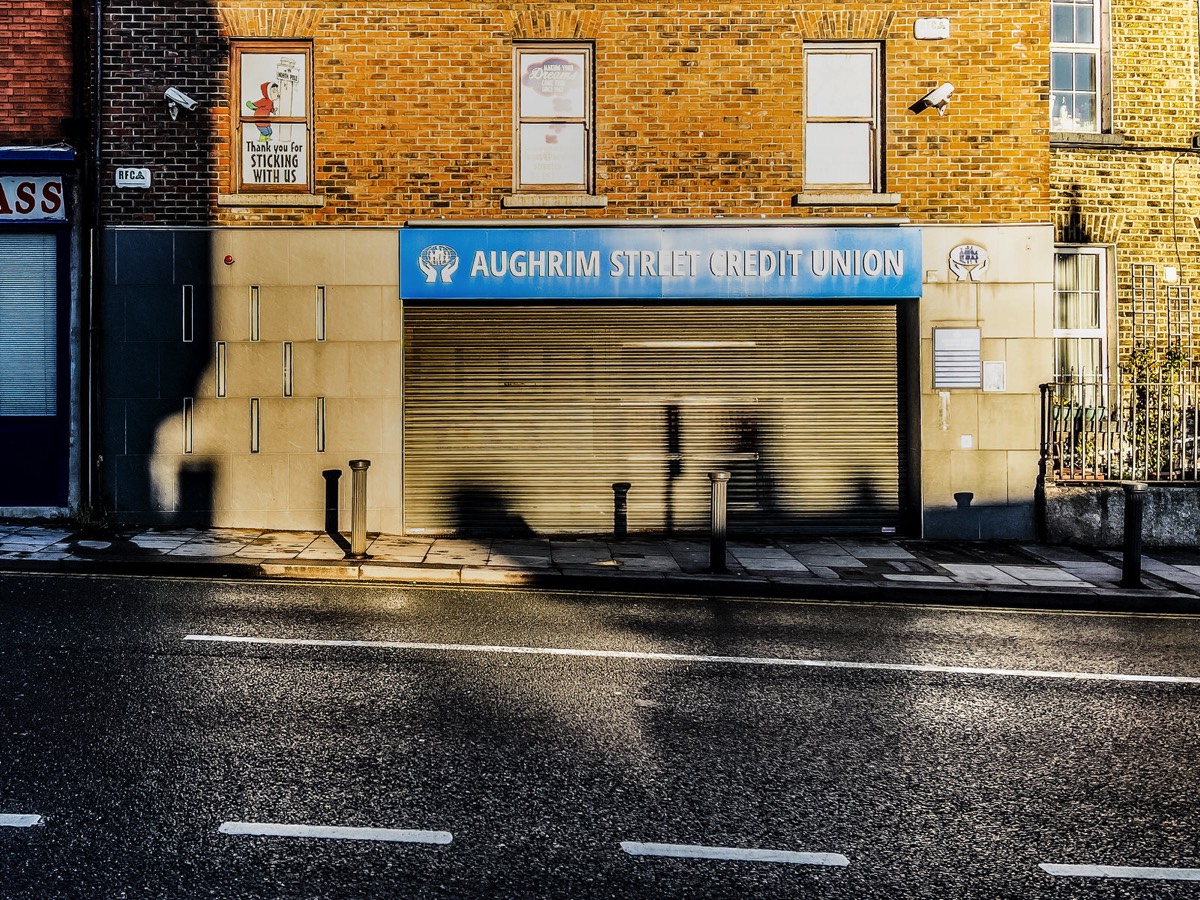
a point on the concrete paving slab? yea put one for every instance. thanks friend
(206, 550)
(1039, 573)
(774, 565)
(663, 565)
(967, 573)
(829, 561)
(573, 555)
(517, 562)
(817, 546)
(747, 551)
(875, 551)
(453, 557)
(919, 579)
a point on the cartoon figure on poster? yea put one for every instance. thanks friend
(263, 108)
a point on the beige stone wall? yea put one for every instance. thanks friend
(357, 369)
(1012, 307)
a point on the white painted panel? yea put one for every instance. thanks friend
(837, 153)
(840, 84)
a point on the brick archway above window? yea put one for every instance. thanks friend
(551, 23)
(845, 25)
(271, 23)
(1077, 226)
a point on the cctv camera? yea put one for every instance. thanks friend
(937, 98)
(177, 99)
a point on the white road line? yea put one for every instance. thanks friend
(698, 851)
(1146, 872)
(336, 832)
(19, 821)
(691, 658)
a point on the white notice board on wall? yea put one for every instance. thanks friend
(957, 358)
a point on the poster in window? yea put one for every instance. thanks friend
(274, 119)
(553, 153)
(553, 85)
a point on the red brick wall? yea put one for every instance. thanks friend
(35, 70)
(698, 106)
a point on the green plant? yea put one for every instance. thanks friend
(1155, 421)
(85, 517)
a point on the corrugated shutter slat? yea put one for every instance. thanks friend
(28, 344)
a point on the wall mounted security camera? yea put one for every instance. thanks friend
(938, 98)
(177, 99)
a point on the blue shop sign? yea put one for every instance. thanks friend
(681, 262)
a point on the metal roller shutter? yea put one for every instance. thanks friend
(519, 419)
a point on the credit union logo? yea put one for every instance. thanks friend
(438, 261)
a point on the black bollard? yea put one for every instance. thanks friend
(332, 499)
(717, 560)
(621, 508)
(1131, 563)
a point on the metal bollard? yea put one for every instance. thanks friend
(1131, 563)
(358, 509)
(717, 522)
(621, 508)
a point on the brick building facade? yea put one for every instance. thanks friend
(265, 307)
(1127, 182)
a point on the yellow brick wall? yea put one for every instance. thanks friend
(698, 109)
(1141, 197)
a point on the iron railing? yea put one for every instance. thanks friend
(1095, 429)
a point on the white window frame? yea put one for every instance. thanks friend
(1099, 333)
(1065, 120)
(523, 120)
(818, 117)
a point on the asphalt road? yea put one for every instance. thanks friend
(169, 738)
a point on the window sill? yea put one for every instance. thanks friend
(1085, 139)
(548, 201)
(309, 200)
(848, 198)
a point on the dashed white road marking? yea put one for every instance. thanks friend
(8, 820)
(336, 832)
(699, 851)
(696, 658)
(1142, 872)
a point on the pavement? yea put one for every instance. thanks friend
(861, 569)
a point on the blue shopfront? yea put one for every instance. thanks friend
(544, 364)
(35, 305)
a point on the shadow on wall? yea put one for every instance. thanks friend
(156, 307)
(157, 351)
(968, 521)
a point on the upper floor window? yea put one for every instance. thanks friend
(842, 117)
(1076, 70)
(553, 117)
(1080, 312)
(272, 116)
